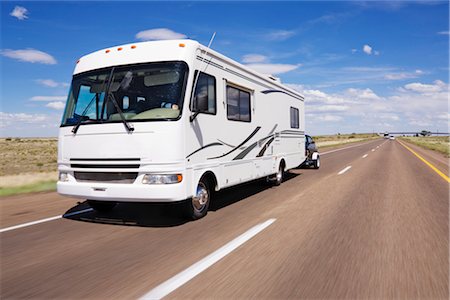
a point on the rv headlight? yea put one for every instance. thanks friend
(161, 179)
(63, 176)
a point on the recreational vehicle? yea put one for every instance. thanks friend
(173, 121)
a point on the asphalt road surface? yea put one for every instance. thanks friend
(372, 222)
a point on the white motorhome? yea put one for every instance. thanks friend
(173, 121)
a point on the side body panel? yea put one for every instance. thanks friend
(237, 151)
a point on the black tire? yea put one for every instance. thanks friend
(279, 176)
(197, 207)
(102, 206)
(316, 164)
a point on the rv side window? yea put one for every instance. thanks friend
(294, 118)
(238, 104)
(205, 94)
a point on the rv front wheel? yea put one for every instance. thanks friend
(101, 206)
(197, 206)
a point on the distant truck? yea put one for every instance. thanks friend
(173, 121)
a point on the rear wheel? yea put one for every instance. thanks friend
(197, 207)
(316, 163)
(277, 179)
(102, 206)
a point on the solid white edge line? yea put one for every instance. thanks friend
(365, 155)
(44, 220)
(344, 170)
(181, 278)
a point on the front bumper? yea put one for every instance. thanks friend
(124, 192)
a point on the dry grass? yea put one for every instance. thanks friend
(29, 188)
(437, 143)
(324, 141)
(27, 165)
(27, 155)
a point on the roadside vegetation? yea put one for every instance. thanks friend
(437, 143)
(27, 165)
(324, 141)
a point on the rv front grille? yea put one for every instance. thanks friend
(105, 163)
(100, 166)
(106, 177)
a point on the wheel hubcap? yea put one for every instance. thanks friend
(201, 197)
(280, 175)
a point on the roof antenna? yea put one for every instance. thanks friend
(206, 52)
(198, 74)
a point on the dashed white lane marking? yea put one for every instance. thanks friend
(178, 280)
(340, 149)
(344, 170)
(44, 220)
(365, 155)
(373, 150)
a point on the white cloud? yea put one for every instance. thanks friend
(159, 34)
(273, 69)
(280, 35)
(316, 93)
(389, 116)
(426, 88)
(51, 83)
(27, 125)
(48, 98)
(19, 12)
(327, 108)
(367, 49)
(329, 118)
(403, 75)
(444, 32)
(354, 50)
(29, 55)
(9, 118)
(58, 105)
(254, 58)
(414, 106)
(362, 94)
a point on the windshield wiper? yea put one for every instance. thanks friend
(82, 116)
(109, 95)
(128, 126)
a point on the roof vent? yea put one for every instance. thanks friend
(275, 78)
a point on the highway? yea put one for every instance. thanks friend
(372, 222)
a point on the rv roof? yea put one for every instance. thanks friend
(154, 51)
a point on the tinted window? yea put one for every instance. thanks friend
(238, 104)
(206, 88)
(294, 118)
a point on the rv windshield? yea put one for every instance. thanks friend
(143, 92)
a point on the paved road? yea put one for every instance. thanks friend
(380, 229)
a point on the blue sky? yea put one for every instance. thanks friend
(362, 66)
